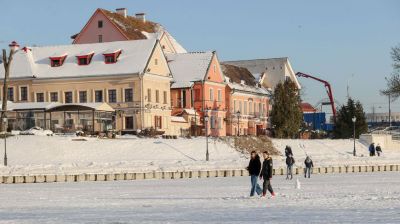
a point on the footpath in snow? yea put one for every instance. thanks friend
(34, 154)
(350, 198)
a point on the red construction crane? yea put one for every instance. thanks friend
(327, 87)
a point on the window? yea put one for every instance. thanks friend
(54, 97)
(129, 95)
(183, 98)
(10, 94)
(245, 108)
(212, 122)
(220, 123)
(82, 96)
(211, 94)
(219, 95)
(234, 106)
(259, 108)
(68, 97)
(98, 96)
(240, 106)
(156, 61)
(23, 93)
(57, 61)
(100, 38)
(112, 96)
(85, 59)
(165, 97)
(39, 97)
(128, 122)
(110, 58)
(157, 96)
(100, 24)
(215, 69)
(148, 95)
(158, 122)
(250, 107)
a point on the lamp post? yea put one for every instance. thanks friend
(238, 117)
(354, 135)
(206, 126)
(5, 140)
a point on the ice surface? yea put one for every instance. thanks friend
(345, 198)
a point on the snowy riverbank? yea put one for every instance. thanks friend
(65, 155)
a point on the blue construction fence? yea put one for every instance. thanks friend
(317, 121)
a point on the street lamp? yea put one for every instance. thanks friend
(5, 140)
(206, 126)
(238, 117)
(354, 135)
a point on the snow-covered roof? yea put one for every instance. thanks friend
(249, 89)
(11, 106)
(258, 67)
(177, 119)
(35, 62)
(187, 68)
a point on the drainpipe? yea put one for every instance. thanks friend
(141, 101)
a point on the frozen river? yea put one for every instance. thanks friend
(346, 198)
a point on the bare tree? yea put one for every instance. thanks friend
(7, 65)
(393, 82)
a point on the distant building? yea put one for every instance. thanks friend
(107, 26)
(269, 72)
(382, 117)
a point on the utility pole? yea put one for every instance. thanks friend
(390, 113)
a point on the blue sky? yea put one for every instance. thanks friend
(340, 41)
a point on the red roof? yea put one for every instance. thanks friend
(307, 108)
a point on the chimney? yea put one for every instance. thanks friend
(121, 11)
(14, 46)
(141, 16)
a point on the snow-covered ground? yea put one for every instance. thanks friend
(328, 152)
(32, 154)
(54, 154)
(347, 198)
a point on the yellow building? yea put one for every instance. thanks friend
(131, 76)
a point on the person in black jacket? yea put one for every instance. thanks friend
(289, 162)
(378, 150)
(288, 151)
(254, 170)
(266, 174)
(309, 165)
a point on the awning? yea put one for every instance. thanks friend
(54, 106)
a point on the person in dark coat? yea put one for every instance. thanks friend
(288, 151)
(254, 170)
(372, 149)
(289, 162)
(266, 174)
(309, 165)
(378, 150)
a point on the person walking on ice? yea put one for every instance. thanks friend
(266, 174)
(289, 163)
(254, 170)
(372, 149)
(309, 165)
(378, 150)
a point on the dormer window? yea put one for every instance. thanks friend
(110, 58)
(85, 59)
(57, 61)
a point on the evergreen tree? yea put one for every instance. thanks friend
(286, 114)
(344, 122)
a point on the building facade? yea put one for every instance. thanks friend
(247, 101)
(199, 85)
(132, 77)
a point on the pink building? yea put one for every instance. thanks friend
(107, 26)
(199, 84)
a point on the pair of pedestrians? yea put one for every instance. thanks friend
(262, 171)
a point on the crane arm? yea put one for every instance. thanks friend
(327, 87)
